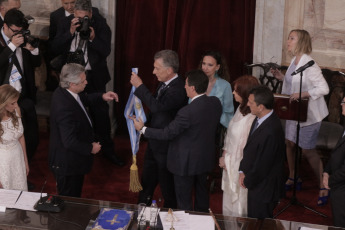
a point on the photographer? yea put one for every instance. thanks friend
(18, 59)
(90, 36)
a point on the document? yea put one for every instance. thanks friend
(186, 221)
(8, 198)
(27, 200)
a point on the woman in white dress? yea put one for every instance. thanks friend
(234, 196)
(14, 166)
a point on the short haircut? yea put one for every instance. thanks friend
(170, 59)
(70, 73)
(15, 17)
(84, 5)
(198, 79)
(303, 45)
(263, 96)
(242, 86)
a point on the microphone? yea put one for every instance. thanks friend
(302, 68)
(45, 182)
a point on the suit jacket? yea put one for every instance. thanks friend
(192, 134)
(98, 50)
(28, 73)
(71, 134)
(263, 160)
(56, 17)
(336, 170)
(162, 110)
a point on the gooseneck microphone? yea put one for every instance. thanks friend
(302, 68)
(45, 182)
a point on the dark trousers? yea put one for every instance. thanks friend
(338, 211)
(69, 185)
(154, 172)
(259, 209)
(184, 187)
(30, 124)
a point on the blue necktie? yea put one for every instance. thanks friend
(256, 124)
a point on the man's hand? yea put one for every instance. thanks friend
(74, 24)
(109, 96)
(17, 40)
(96, 147)
(136, 80)
(138, 124)
(325, 178)
(29, 47)
(241, 180)
(92, 34)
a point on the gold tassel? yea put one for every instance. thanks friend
(134, 183)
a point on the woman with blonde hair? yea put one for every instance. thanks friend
(234, 196)
(14, 166)
(314, 87)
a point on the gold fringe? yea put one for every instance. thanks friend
(134, 183)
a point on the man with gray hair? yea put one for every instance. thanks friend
(169, 97)
(90, 36)
(6, 5)
(72, 140)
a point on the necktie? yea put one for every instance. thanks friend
(82, 106)
(256, 124)
(160, 90)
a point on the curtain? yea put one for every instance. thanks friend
(190, 27)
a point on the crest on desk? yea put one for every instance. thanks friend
(113, 219)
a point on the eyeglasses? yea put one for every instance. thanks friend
(14, 31)
(342, 102)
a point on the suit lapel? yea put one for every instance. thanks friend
(340, 142)
(77, 106)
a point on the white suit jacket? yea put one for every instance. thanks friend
(316, 85)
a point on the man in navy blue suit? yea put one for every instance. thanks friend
(169, 97)
(72, 140)
(261, 169)
(191, 154)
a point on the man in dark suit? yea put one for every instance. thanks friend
(17, 68)
(334, 179)
(6, 5)
(72, 140)
(261, 169)
(163, 108)
(96, 46)
(191, 154)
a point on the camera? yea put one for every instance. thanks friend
(28, 38)
(84, 28)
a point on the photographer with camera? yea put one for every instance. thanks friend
(18, 59)
(86, 40)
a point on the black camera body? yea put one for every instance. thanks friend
(28, 38)
(84, 28)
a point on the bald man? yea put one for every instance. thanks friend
(6, 5)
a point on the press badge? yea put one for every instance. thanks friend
(15, 75)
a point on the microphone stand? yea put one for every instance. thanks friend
(294, 200)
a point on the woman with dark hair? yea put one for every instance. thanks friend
(215, 67)
(314, 87)
(14, 166)
(234, 196)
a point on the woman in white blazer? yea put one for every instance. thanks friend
(314, 87)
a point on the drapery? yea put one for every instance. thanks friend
(190, 27)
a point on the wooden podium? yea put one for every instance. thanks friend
(287, 110)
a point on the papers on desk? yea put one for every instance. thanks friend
(19, 199)
(187, 221)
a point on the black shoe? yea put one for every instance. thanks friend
(115, 160)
